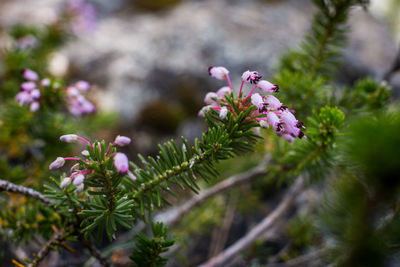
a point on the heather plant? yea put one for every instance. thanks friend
(340, 139)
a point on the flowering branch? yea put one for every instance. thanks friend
(10, 187)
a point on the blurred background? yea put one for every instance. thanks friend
(147, 62)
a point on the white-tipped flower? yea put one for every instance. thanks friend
(122, 140)
(223, 112)
(267, 87)
(78, 180)
(65, 182)
(257, 100)
(85, 153)
(223, 91)
(58, 163)
(218, 72)
(131, 175)
(121, 162)
(251, 76)
(211, 98)
(69, 138)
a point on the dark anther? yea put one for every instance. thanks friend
(209, 69)
(299, 124)
(301, 135)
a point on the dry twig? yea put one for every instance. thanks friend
(10, 187)
(227, 255)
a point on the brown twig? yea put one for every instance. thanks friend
(10, 187)
(94, 252)
(57, 240)
(171, 216)
(225, 257)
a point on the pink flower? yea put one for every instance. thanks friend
(45, 82)
(288, 137)
(251, 77)
(35, 94)
(65, 182)
(211, 98)
(83, 85)
(23, 98)
(30, 75)
(34, 106)
(257, 100)
(69, 138)
(273, 102)
(274, 121)
(28, 86)
(58, 163)
(223, 91)
(266, 86)
(122, 140)
(121, 162)
(78, 180)
(218, 72)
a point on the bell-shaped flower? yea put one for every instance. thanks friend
(218, 72)
(78, 180)
(30, 75)
(223, 91)
(65, 182)
(121, 162)
(257, 100)
(267, 87)
(251, 77)
(273, 102)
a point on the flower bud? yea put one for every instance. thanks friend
(121, 162)
(273, 102)
(78, 180)
(58, 163)
(65, 182)
(122, 140)
(264, 124)
(45, 82)
(218, 72)
(23, 98)
(30, 75)
(80, 188)
(85, 153)
(131, 175)
(223, 112)
(69, 138)
(34, 106)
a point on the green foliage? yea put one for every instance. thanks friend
(313, 154)
(147, 253)
(360, 211)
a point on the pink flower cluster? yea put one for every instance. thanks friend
(78, 105)
(271, 112)
(80, 173)
(82, 16)
(31, 90)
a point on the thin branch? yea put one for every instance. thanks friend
(10, 187)
(310, 259)
(171, 216)
(54, 242)
(225, 257)
(94, 252)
